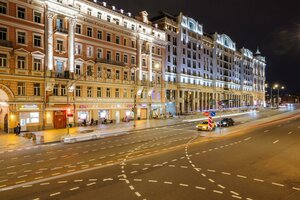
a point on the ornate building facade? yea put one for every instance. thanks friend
(69, 61)
(207, 71)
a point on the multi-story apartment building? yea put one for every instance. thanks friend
(69, 61)
(207, 71)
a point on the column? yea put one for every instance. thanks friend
(150, 62)
(139, 58)
(71, 44)
(193, 102)
(50, 16)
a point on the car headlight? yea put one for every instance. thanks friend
(224, 123)
(197, 126)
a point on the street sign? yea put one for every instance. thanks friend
(206, 114)
(212, 114)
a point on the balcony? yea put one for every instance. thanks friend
(60, 30)
(112, 62)
(6, 43)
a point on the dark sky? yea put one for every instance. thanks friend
(271, 25)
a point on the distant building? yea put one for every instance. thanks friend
(207, 71)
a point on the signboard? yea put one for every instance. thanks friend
(212, 114)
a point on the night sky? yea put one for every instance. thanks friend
(273, 26)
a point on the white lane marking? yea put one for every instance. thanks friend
(152, 181)
(217, 191)
(26, 186)
(22, 176)
(131, 187)
(75, 188)
(235, 193)
(211, 180)
(36, 199)
(259, 180)
(54, 194)
(240, 176)
(79, 180)
(295, 188)
(138, 194)
(237, 197)
(62, 182)
(184, 185)
(93, 179)
(275, 141)
(200, 188)
(137, 179)
(89, 184)
(221, 186)
(247, 138)
(45, 183)
(168, 182)
(211, 170)
(226, 173)
(290, 132)
(266, 131)
(277, 184)
(3, 180)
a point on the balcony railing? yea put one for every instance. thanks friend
(61, 30)
(112, 62)
(6, 43)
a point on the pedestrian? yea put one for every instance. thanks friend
(92, 121)
(18, 129)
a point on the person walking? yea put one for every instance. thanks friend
(18, 129)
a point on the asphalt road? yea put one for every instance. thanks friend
(173, 162)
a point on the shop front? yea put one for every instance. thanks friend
(171, 108)
(30, 117)
(156, 110)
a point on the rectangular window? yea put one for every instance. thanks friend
(78, 28)
(89, 51)
(37, 17)
(107, 92)
(37, 40)
(118, 57)
(77, 49)
(99, 72)
(21, 62)
(21, 13)
(99, 15)
(108, 18)
(117, 74)
(78, 91)
(125, 59)
(108, 55)
(99, 53)
(117, 93)
(132, 78)
(3, 60)
(89, 12)
(144, 62)
(99, 92)
(99, 35)
(21, 88)
(89, 70)
(63, 90)
(3, 7)
(89, 32)
(108, 37)
(37, 63)
(132, 60)
(3, 33)
(118, 39)
(125, 42)
(89, 92)
(108, 73)
(59, 45)
(125, 93)
(21, 37)
(125, 24)
(55, 90)
(126, 76)
(78, 69)
(131, 93)
(36, 89)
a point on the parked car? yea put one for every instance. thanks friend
(204, 126)
(226, 122)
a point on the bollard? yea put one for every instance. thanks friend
(42, 139)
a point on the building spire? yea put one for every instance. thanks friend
(257, 51)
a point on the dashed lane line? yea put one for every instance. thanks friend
(275, 141)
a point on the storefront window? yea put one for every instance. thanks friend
(103, 114)
(83, 115)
